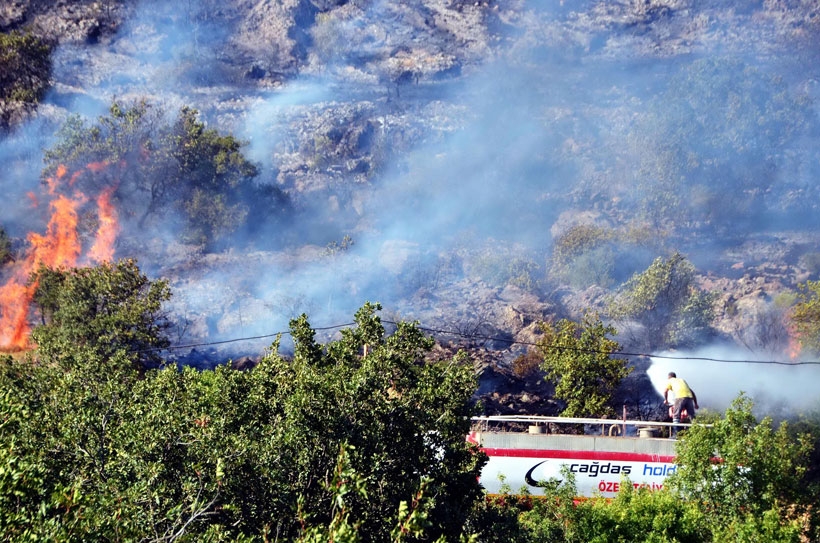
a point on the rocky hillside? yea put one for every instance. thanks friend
(454, 142)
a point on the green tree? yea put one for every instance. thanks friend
(411, 523)
(211, 170)
(666, 302)
(805, 316)
(166, 166)
(363, 388)
(578, 359)
(105, 310)
(98, 452)
(25, 73)
(746, 475)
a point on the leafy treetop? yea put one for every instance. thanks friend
(168, 165)
(25, 72)
(805, 316)
(109, 309)
(666, 301)
(577, 358)
(92, 450)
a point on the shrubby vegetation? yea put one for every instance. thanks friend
(587, 254)
(736, 123)
(167, 165)
(666, 303)
(501, 265)
(577, 358)
(108, 311)
(359, 439)
(757, 488)
(632, 516)
(584, 256)
(95, 449)
(805, 316)
(6, 253)
(25, 73)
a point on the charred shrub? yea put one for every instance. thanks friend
(6, 254)
(527, 364)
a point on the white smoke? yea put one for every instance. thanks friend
(777, 389)
(507, 148)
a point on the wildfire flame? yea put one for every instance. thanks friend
(103, 248)
(59, 247)
(794, 346)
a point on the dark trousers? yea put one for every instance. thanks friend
(683, 404)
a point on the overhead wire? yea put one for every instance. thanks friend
(473, 336)
(235, 340)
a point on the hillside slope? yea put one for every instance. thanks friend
(456, 143)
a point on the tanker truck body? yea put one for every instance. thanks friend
(526, 451)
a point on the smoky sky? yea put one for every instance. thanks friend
(583, 107)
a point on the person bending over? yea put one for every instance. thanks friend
(685, 398)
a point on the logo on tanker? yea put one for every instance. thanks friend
(592, 469)
(528, 477)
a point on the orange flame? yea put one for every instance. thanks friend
(794, 346)
(61, 244)
(97, 167)
(59, 247)
(15, 299)
(103, 248)
(54, 182)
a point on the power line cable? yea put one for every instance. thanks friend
(622, 353)
(502, 340)
(235, 340)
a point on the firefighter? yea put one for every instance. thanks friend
(685, 398)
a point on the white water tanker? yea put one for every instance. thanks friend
(527, 450)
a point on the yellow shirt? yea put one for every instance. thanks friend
(679, 388)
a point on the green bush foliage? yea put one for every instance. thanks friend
(25, 72)
(666, 301)
(93, 450)
(168, 165)
(640, 515)
(500, 266)
(747, 476)
(805, 316)
(588, 255)
(584, 256)
(578, 240)
(109, 311)
(577, 358)
(6, 254)
(633, 516)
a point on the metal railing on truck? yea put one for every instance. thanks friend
(536, 424)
